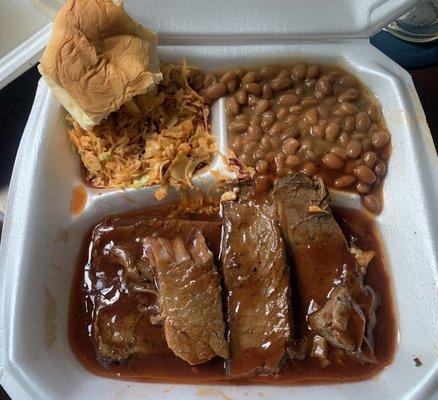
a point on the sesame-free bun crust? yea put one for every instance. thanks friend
(97, 59)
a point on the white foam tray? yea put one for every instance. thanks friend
(24, 33)
(41, 239)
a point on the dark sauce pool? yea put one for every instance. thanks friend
(165, 366)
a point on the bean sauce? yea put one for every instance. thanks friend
(336, 125)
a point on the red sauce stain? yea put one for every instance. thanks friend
(78, 199)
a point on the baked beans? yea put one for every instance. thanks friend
(316, 119)
(232, 106)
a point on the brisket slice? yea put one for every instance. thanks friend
(329, 274)
(127, 315)
(257, 288)
(119, 332)
(119, 241)
(190, 294)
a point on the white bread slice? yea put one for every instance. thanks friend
(97, 59)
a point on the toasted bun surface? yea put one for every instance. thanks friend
(98, 58)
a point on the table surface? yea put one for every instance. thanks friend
(16, 101)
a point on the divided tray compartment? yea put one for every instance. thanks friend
(43, 240)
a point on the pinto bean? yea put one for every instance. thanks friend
(344, 181)
(364, 174)
(332, 162)
(216, 90)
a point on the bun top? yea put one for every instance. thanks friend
(97, 59)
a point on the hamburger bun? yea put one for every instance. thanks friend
(97, 59)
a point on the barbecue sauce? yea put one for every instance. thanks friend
(163, 365)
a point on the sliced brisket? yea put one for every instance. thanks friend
(190, 294)
(127, 315)
(257, 284)
(329, 276)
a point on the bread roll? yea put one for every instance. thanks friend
(97, 59)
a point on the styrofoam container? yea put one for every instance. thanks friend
(42, 240)
(23, 35)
